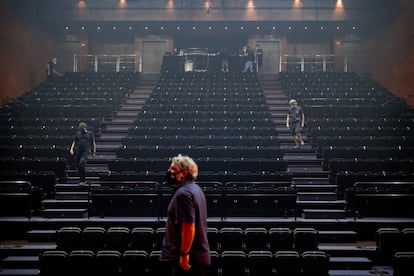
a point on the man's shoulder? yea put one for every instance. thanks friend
(91, 134)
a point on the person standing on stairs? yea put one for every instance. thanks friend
(83, 144)
(295, 120)
(51, 72)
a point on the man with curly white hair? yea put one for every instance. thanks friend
(185, 246)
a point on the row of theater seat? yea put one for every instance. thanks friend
(168, 75)
(33, 140)
(336, 165)
(396, 152)
(210, 164)
(404, 131)
(202, 131)
(40, 130)
(359, 122)
(56, 122)
(200, 152)
(231, 93)
(264, 199)
(34, 151)
(75, 96)
(347, 179)
(220, 239)
(222, 175)
(219, 107)
(210, 113)
(19, 198)
(44, 180)
(55, 164)
(390, 240)
(56, 110)
(206, 141)
(368, 111)
(380, 199)
(359, 141)
(207, 99)
(138, 262)
(204, 122)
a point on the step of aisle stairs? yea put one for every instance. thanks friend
(84, 195)
(20, 262)
(315, 187)
(323, 214)
(337, 236)
(337, 250)
(41, 235)
(20, 272)
(320, 204)
(317, 196)
(348, 263)
(65, 213)
(64, 204)
(25, 249)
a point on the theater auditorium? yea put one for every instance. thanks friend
(213, 80)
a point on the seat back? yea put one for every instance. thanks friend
(52, 263)
(260, 263)
(108, 262)
(155, 266)
(287, 263)
(134, 262)
(407, 239)
(403, 263)
(280, 239)
(118, 238)
(213, 236)
(233, 262)
(231, 238)
(81, 262)
(68, 238)
(256, 238)
(93, 238)
(305, 239)
(388, 243)
(142, 238)
(315, 263)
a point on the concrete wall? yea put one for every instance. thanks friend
(391, 53)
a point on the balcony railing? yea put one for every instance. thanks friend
(105, 63)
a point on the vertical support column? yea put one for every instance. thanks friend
(96, 64)
(75, 63)
(324, 63)
(118, 63)
(302, 63)
(346, 64)
(280, 63)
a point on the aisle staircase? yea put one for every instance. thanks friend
(317, 199)
(71, 198)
